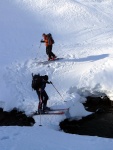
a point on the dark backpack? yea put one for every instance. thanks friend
(50, 38)
(36, 81)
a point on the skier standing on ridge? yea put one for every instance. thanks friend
(48, 40)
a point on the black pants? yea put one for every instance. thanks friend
(49, 51)
(43, 97)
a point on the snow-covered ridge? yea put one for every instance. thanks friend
(83, 37)
(83, 34)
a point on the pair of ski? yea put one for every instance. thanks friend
(49, 61)
(54, 112)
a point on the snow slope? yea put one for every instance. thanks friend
(43, 138)
(83, 34)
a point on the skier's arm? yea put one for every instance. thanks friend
(48, 82)
(42, 41)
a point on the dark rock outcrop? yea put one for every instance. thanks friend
(15, 118)
(100, 123)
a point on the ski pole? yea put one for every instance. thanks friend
(57, 91)
(40, 106)
(39, 48)
(40, 45)
(40, 120)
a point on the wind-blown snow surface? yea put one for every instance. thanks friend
(83, 34)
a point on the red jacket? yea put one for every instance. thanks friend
(47, 40)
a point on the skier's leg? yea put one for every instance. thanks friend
(45, 99)
(40, 101)
(52, 54)
(48, 52)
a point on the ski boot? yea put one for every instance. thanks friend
(40, 111)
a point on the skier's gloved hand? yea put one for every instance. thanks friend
(41, 41)
(50, 82)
